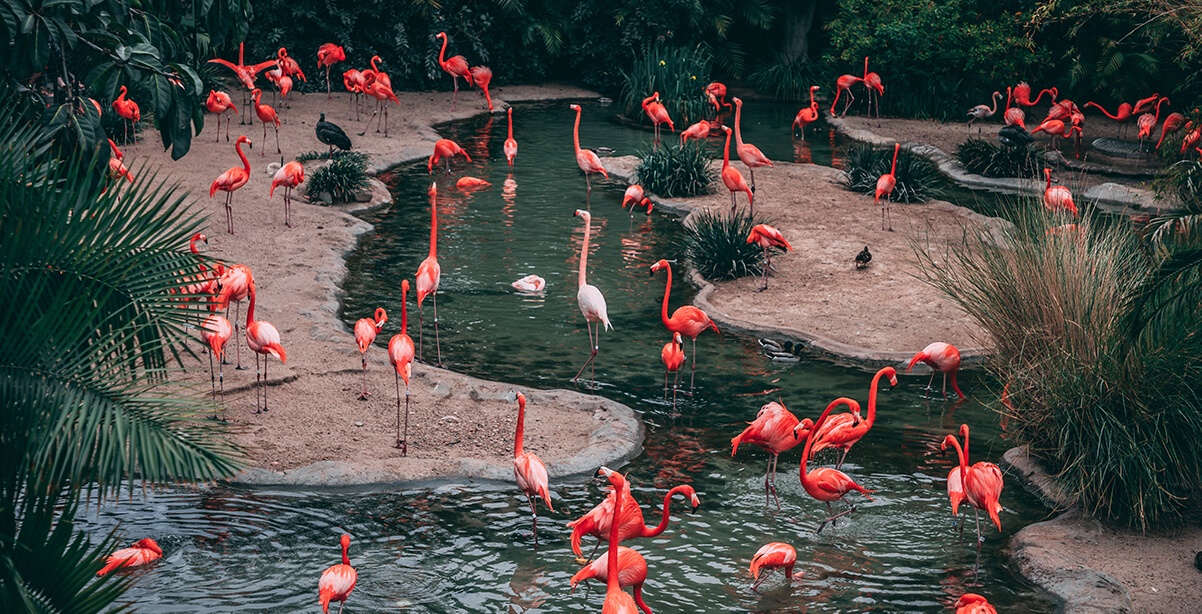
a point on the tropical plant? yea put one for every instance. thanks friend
(679, 74)
(342, 177)
(676, 171)
(1061, 305)
(715, 244)
(84, 364)
(985, 158)
(786, 79)
(917, 178)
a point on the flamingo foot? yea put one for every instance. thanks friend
(833, 520)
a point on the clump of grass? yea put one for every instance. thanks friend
(786, 79)
(1113, 410)
(715, 244)
(990, 160)
(917, 178)
(676, 171)
(679, 74)
(345, 175)
(310, 156)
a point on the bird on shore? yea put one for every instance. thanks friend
(657, 113)
(1144, 104)
(456, 66)
(289, 176)
(1172, 123)
(617, 601)
(331, 134)
(942, 358)
(632, 572)
(353, 81)
(983, 111)
(1122, 115)
(864, 258)
(807, 115)
(884, 187)
(687, 320)
(748, 153)
(218, 103)
(1057, 197)
(377, 86)
(843, 84)
(844, 430)
(140, 552)
(366, 330)
(1147, 122)
(733, 178)
(129, 111)
(445, 149)
(337, 581)
(590, 300)
(774, 555)
(826, 484)
(234, 282)
(876, 89)
(1056, 129)
(697, 131)
(231, 180)
(1022, 94)
(400, 356)
(672, 356)
(586, 159)
(482, 76)
(511, 146)
(288, 65)
(972, 603)
(263, 339)
(982, 483)
(1013, 116)
(773, 430)
(766, 237)
(328, 55)
(597, 521)
(266, 115)
(216, 332)
(528, 469)
(245, 74)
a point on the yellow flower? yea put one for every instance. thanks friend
(693, 77)
(663, 63)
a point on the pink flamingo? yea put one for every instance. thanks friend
(699, 130)
(748, 153)
(1122, 115)
(218, 103)
(1055, 198)
(586, 159)
(216, 332)
(290, 175)
(884, 187)
(982, 484)
(117, 167)
(528, 469)
(775, 555)
(843, 84)
(482, 76)
(955, 486)
(511, 146)
(1013, 116)
(597, 521)
(530, 283)
(767, 236)
(456, 66)
(825, 484)
(716, 93)
(400, 355)
(773, 430)
(262, 338)
(129, 111)
(1022, 94)
(972, 603)
(635, 197)
(245, 74)
(353, 81)
(1172, 123)
(231, 180)
(366, 330)
(686, 320)
(657, 113)
(983, 111)
(807, 115)
(842, 431)
(876, 89)
(379, 88)
(617, 601)
(672, 356)
(591, 301)
(445, 149)
(235, 286)
(337, 581)
(943, 358)
(429, 276)
(733, 178)
(1057, 129)
(632, 571)
(141, 552)
(328, 55)
(267, 115)
(1147, 122)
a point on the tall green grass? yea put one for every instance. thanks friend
(679, 74)
(676, 171)
(342, 177)
(1113, 409)
(715, 244)
(917, 178)
(985, 158)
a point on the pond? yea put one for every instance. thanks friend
(467, 547)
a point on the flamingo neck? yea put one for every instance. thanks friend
(611, 580)
(511, 123)
(521, 430)
(805, 453)
(667, 291)
(404, 311)
(963, 461)
(346, 560)
(245, 162)
(1048, 174)
(865, 68)
(192, 246)
(1157, 118)
(893, 169)
(964, 432)
(726, 152)
(871, 419)
(433, 227)
(250, 311)
(441, 52)
(738, 116)
(375, 59)
(576, 132)
(1009, 97)
(647, 101)
(241, 62)
(582, 282)
(663, 521)
(812, 101)
(994, 109)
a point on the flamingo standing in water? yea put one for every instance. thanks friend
(617, 601)
(591, 301)
(290, 175)
(733, 178)
(235, 286)
(456, 66)
(586, 159)
(216, 332)
(843, 84)
(262, 338)
(657, 113)
(511, 146)
(775, 555)
(716, 92)
(773, 430)
(842, 431)
(267, 115)
(1055, 198)
(597, 521)
(686, 320)
(328, 55)
(807, 115)
(429, 276)
(400, 355)
(672, 356)
(231, 180)
(748, 153)
(766, 237)
(943, 358)
(972, 603)
(445, 149)
(632, 571)
(955, 486)
(337, 581)
(528, 469)
(366, 330)
(218, 103)
(876, 89)
(982, 484)
(129, 111)
(884, 187)
(140, 552)
(826, 484)
(635, 197)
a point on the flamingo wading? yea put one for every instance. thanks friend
(591, 301)
(687, 320)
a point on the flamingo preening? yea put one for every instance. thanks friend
(586, 159)
(774, 555)
(942, 358)
(267, 115)
(658, 114)
(687, 320)
(216, 332)
(773, 430)
(231, 180)
(982, 483)
(807, 115)
(733, 178)
(400, 356)
(482, 76)
(826, 484)
(140, 552)
(842, 431)
(1147, 122)
(716, 93)
(672, 356)
(289, 176)
(1055, 198)
(456, 66)
(218, 103)
(766, 237)
(884, 187)
(591, 301)
(429, 276)
(328, 55)
(528, 469)
(337, 581)
(698, 131)
(366, 330)
(748, 153)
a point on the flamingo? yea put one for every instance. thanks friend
(748, 153)
(129, 111)
(597, 521)
(1122, 115)
(288, 65)
(1022, 94)
(775, 555)
(686, 320)
(1061, 110)
(1055, 198)
(771, 430)
(955, 486)
(267, 115)
(1057, 129)
(471, 183)
(972, 603)
(943, 358)
(379, 88)
(429, 276)
(733, 178)
(716, 92)
(982, 486)
(245, 74)
(117, 167)
(1013, 116)
(807, 115)
(876, 89)
(843, 84)
(400, 355)
(1147, 122)
(216, 332)
(482, 76)
(140, 552)
(456, 66)
(218, 103)
(235, 286)
(672, 356)
(983, 111)
(632, 571)
(826, 484)
(590, 300)
(767, 236)
(445, 149)
(337, 581)
(617, 601)
(231, 180)
(884, 187)
(328, 55)
(842, 431)
(1172, 123)
(1191, 137)
(657, 113)
(528, 469)
(511, 146)
(262, 338)
(353, 81)
(699, 130)
(366, 330)
(1143, 104)
(586, 159)
(290, 175)
(530, 284)
(635, 196)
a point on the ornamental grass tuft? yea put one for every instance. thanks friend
(676, 171)
(917, 178)
(715, 244)
(985, 158)
(345, 175)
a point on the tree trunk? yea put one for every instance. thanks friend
(799, 18)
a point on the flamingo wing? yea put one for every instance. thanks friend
(531, 476)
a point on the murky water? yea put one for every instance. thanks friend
(467, 548)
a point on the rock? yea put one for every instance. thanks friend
(358, 423)
(363, 196)
(326, 198)
(1113, 193)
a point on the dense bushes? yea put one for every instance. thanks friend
(917, 178)
(342, 177)
(676, 171)
(986, 158)
(715, 244)
(678, 74)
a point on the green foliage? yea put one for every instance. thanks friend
(679, 74)
(786, 79)
(985, 158)
(674, 171)
(918, 179)
(345, 175)
(1113, 409)
(715, 244)
(1181, 184)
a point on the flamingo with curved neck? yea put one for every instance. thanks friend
(456, 66)
(748, 153)
(733, 178)
(842, 431)
(617, 601)
(687, 320)
(231, 180)
(982, 483)
(826, 484)
(807, 115)
(586, 159)
(596, 521)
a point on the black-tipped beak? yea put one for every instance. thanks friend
(695, 507)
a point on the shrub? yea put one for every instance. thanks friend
(715, 244)
(679, 74)
(1114, 414)
(342, 177)
(786, 79)
(985, 158)
(674, 171)
(917, 178)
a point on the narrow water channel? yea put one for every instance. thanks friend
(467, 548)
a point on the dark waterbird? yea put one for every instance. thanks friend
(330, 134)
(863, 258)
(1014, 136)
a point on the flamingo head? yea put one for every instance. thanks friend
(149, 544)
(521, 398)
(662, 264)
(1047, 174)
(584, 214)
(726, 129)
(381, 318)
(617, 480)
(814, 88)
(890, 373)
(677, 339)
(256, 94)
(282, 53)
(433, 191)
(574, 107)
(803, 428)
(947, 441)
(404, 285)
(440, 35)
(738, 101)
(688, 490)
(345, 540)
(245, 139)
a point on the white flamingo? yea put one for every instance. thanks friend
(591, 301)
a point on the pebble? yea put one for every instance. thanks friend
(357, 423)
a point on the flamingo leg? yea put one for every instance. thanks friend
(732, 203)
(675, 387)
(752, 171)
(328, 96)
(693, 373)
(288, 206)
(534, 516)
(455, 95)
(385, 104)
(833, 519)
(368, 126)
(363, 393)
(665, 383)
(405, 441)
(842, 458)
(437, 343)
(221, 386)
(930, 381)
(261, 151)
(592, 348)
(258, 387)
(763, 576)
(264, 382)
(420, 327)
(212, 382)
(850, 99)
(277, 139)
(237, 337)
(218, 131)
(944, 384)
(976, 567)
